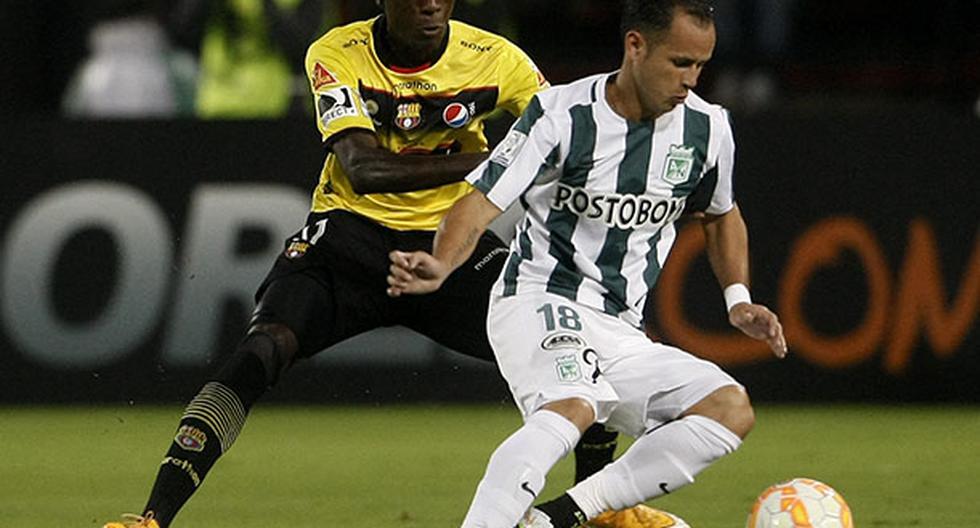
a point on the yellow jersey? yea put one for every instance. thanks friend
(438, 109)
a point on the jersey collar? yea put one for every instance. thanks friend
(382, 48)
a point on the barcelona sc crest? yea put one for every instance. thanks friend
(409, 116)
(296, 249)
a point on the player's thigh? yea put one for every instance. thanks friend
(318, 310)
(656, 383)
(328, 284)
(550, 349)
(455, 316)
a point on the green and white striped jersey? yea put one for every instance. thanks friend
(601, 193)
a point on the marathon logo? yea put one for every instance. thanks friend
(185, 466)
(625, 211)
(489, 257)
(416, 86)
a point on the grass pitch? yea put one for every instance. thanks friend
(417, 466)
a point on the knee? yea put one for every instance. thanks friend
(729, 406)
(575, 410)
(274, 344)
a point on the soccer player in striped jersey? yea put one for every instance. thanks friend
(604, 167)
(401, 100)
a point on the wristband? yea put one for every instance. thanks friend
(735, 294)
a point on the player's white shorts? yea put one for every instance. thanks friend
(549, 348)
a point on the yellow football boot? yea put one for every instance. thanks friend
(639, 516)
(134, 521)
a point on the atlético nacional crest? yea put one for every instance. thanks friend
(680, 161)
(568, 369)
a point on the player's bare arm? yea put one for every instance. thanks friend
(419, 272)
(372, 168)
(727, 245)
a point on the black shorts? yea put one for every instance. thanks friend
(330, 282)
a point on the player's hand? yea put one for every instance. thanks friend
(416, 272)
(758, 322)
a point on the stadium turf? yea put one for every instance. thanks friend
(417, 466)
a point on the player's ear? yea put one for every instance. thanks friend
(635, 45)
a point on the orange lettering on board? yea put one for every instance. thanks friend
(818, 247)
(921, 301)
(893, 320)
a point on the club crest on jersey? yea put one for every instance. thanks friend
(296, 249)
(568, 368)
(456, 115)
(191, 438)
(322, 76)
(409, 116)
(680, 161)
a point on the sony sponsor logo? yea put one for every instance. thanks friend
(625, 211)
(475, 47)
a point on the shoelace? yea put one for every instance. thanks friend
(135, 521)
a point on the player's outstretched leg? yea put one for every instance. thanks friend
(213, 420)
(659, 462)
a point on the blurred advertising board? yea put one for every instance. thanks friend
(130, 252)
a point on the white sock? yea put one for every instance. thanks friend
(659, 462)
(516, 471)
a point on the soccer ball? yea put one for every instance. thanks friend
(800, 503)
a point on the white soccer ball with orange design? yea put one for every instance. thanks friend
(800, 503)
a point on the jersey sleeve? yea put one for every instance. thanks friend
(531, 148)
(715, 192)
(333, 81)
(519, 79)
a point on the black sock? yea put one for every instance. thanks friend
(563, 511)
(209, 426)
(594, 451)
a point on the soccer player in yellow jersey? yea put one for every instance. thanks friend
(400, 103)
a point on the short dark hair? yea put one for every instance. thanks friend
(653, 17)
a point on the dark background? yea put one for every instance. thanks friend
(868, 112)
(836, 52)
